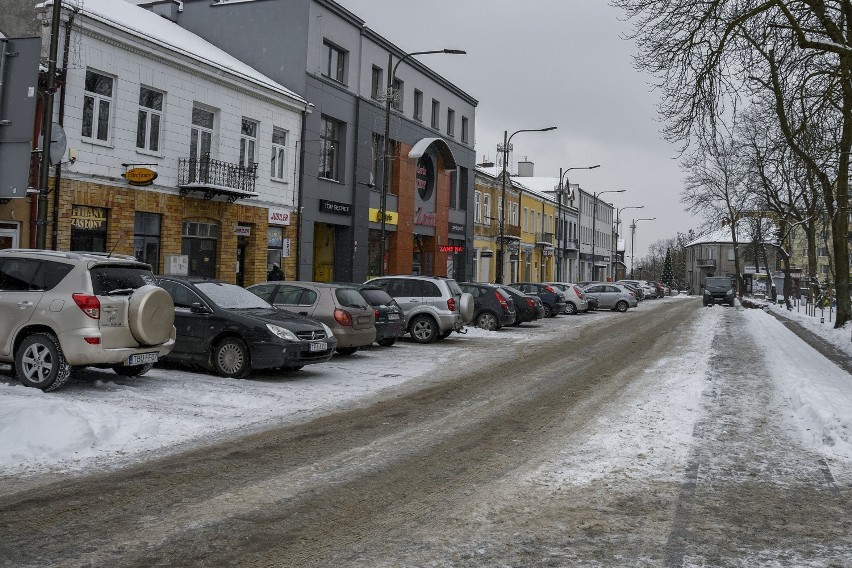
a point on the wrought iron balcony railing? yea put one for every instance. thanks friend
(544, 239)
(214, 178)
(706, 263)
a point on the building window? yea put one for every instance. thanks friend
(398, 94)
(418, 105)
(477, 211)
(436, 114)
(97, 106)
(146, 238)
(201, 135)
(514, 210)
(526, 220)
(278, 162)
(465, 132)
(454, 189)
(376, 86)
(463, 188)
(89, 228)
(335, 62)
(451, 122)
(248, 143)
(150, 119)
(277, 247)
(486, 209)
(329, 148)
(377, 150)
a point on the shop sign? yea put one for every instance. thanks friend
(242, 231)
(138, 175)
(89, 218)
(451, 248)
(279, 216)
(335, 207)
(455, 228)
(426, 218)
(425, 177)
(391, 217)
(285, 251)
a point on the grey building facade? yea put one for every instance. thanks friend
(327, 55)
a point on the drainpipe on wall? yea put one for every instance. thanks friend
(301, 192)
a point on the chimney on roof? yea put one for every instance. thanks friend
(169, 9)
(525, 169)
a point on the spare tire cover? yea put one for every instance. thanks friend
(151, 315)
(466, 306)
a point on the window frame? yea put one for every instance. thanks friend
(418, 105)
(329, 51)
(377, 83)
(98, 99)
(398, 90)
(465, 130)
(141, 223)
(451, 123)
(278, 159)
(436, 114)
(330, 146)
(150, 114)
(248, 142)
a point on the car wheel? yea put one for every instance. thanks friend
(423, 329)
(231, 358)
(621, 306)
(571, 309)
(386, 341)
(487, 321)
(132, 370)
(548, 312)
(40, 363)
(346, 351)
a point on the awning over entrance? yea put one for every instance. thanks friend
(440, 145)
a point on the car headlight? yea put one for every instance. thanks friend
(730, 293)
(327, 329)
(281, 332)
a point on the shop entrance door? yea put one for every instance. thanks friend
(324, 246)
(8, 235)
(202, 256)
(242, 242)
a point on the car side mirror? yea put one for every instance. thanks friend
(198, 308)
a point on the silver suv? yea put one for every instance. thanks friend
(66, 309)
(434, 306)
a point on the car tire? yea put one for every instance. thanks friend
(423, 329)
(40, 363)
(571, 309)
(488, 321)
(622, 306)
(231, 358)
(346, 351)
(548, 311)
(132, 370)
(386, 341)
(151, 315)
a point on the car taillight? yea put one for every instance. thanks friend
(342, 317)
(90, 305)
(632, 294)
(579, 293)
(503, 303)
(531, 302)
(451, 304)
(376, 312)
(550, 289)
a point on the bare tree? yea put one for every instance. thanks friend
(18, 18)
(712, 57)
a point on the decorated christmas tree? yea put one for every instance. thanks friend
(668, 276)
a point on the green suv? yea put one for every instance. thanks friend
(66, 309)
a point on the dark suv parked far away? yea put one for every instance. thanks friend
(492, 306)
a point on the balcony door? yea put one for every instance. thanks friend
(200, 143)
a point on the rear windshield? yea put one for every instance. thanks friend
(454, 287)
(377, 297)
(350, 298)
(117, 279)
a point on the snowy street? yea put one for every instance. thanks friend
(672, 435)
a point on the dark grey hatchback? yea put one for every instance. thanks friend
(492, 306)
(229, 330)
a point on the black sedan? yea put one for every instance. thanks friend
(229, 330)
(552, 299)
(390, 319)
(526, 306)
(492, 306)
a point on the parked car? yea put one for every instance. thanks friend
(227, 329)
(492, 306)
(339, 306)
(633, 286)
(593, 302)
(527, 307)
(61, 310)
(390, 319)
(434, 306)
(575, 300)
(612, 296)
(552, 299)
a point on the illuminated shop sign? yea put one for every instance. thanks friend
(451, 248)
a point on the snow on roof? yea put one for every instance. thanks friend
(723, 235)
(151, 27)
(543, 187)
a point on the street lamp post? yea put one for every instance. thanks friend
(632, 238)
(502, 251)
(386, 158)
(561, 234)
(618, 224)
(594, 222)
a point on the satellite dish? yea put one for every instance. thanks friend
(58, 143)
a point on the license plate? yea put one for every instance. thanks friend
(322, 346)
(142, 359)
(393, 316)
(363, 320)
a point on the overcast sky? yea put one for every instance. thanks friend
(552, 62)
